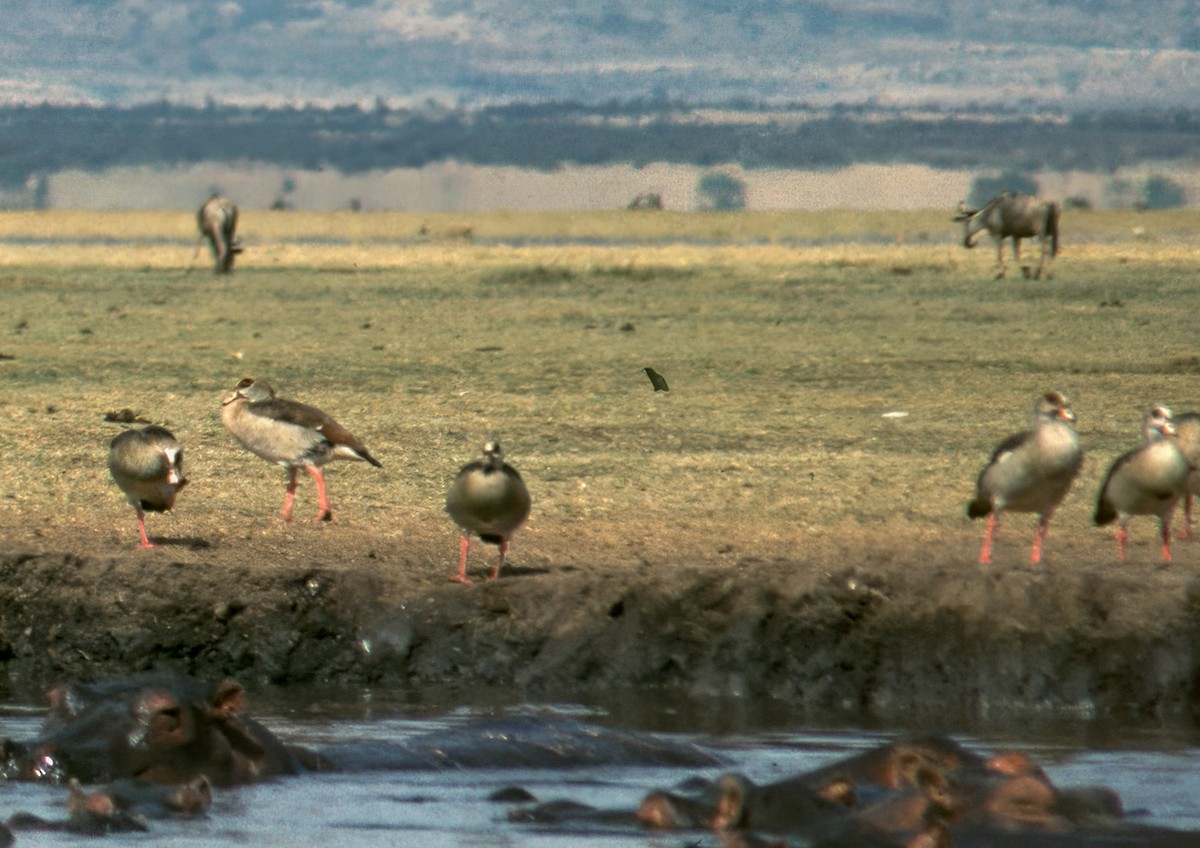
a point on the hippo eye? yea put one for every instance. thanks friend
(165, 728)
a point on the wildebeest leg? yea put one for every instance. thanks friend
(1001, 269)
(1045, 264)
(1025, 271)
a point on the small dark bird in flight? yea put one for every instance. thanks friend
(657, 380)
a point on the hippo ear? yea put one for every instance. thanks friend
(57, 698)
(225, 706)
(840, 790)
(935, 835)
(730, 807)
(227, 700)
(934, 787)
(658, 812)
(907, 767)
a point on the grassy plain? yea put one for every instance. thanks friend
(788, 339)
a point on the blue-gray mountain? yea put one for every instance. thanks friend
(1066, 53)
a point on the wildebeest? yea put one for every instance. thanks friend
(646, 200)
(217, 220)
(1015, 216)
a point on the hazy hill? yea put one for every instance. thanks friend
(1064, 53)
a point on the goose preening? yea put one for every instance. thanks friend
(488, 499)
(148, 466)
(1030, 471)
(291, 434)
(1148, 480)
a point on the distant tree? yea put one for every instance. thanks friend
(1160, 192)
(1120, 192)
(984, 189)
(721, 192)
(38, 186)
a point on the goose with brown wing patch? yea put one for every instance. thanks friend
(291, 434)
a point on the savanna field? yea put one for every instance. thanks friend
(836, 383)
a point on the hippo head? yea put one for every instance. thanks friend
(164, 729)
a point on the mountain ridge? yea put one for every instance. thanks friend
(1031, 54)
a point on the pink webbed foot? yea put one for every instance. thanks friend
(289, 497)
(462, 577)
(985, 552)
(1039, 539)
(326, 513)
(145, 542)
(499, 560)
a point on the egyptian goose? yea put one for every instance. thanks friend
(1148, 480)
(290, 434)
(488, 498)
(1187, 431)
(1030, 471)
(148, 466)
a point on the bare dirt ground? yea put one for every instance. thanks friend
(762, 530)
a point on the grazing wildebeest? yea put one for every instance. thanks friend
(217, 219)
(1015, 216)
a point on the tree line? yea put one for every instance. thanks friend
(41, 139)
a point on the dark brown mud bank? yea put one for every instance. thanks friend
(888, 641)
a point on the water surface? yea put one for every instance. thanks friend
(1157, 773)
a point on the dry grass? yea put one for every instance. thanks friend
(785, 344)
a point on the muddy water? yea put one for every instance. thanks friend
(1156, 771)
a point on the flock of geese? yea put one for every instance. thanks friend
(488, 498)
(1032, 471)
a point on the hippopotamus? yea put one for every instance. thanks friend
(160, 728)
(122, 806)
(920, 792)
(172, 729)
(521, 741)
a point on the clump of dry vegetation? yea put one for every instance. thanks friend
(787, 340)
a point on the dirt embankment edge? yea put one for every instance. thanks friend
(882, 640)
